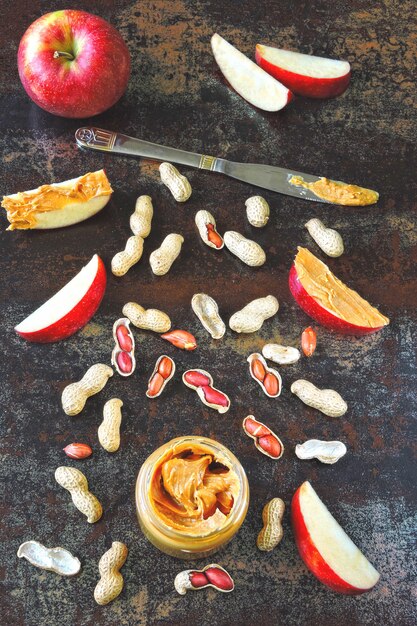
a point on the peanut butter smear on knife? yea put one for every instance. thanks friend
(337, 192)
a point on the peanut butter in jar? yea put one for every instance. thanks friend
(192, 496)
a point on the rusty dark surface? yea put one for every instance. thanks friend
(177, 96)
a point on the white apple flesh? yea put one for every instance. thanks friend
(326, 549)
(305, 74)
(72, 213)
(247, 79)
(70, 308)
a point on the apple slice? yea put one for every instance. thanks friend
(58, 204)
(326, 549)
(305, 74)
(70, 308)
(249, 80)
(329, 301)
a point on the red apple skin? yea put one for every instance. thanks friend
(316, 311)
(312, 557)
(84, 87)
(305, 85)
(78, 316)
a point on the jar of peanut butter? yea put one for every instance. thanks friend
(192, 496)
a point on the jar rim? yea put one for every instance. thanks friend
(143, 483)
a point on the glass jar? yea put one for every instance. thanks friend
(179, 542)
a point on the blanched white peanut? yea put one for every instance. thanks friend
(110, 584)
(246, 250)
(206, 225)
(252, 316)
(327, 401)
(283, 355)
(148, 319)
(141, 219)
(325, 451)
(76, 483)
(162, 258)
(207, 311)
(109, 429)
(123, 261)
(178, 184)
(257, 211)
(329, 240)
(76, 394)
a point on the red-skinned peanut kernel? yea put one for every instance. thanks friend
(213, 396)
(270, 445)
(214, 236)
(198, 579)
(124, 361)
(123, 338)
(181, 339)
(212, 575)
(254, 428)
(165, 367)
(265, 440)
(258, 369)
(155, 384)
(268, 378)
(219, 578)
(308, 341)
(201, 381)
(271, 384)
(196, 379)
(78, 450)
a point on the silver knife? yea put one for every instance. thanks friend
(265, 176)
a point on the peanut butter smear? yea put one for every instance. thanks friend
(338, 193)
(191, 490)
(333, 295)
(23, 207)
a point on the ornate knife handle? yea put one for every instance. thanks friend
(95, 138)
(108, 141)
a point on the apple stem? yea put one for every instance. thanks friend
(67, 55)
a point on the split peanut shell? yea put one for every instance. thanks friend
(164, 381)
(207, 311)
(206, 225)
(282, 355)
(257, 358)
(56, 560)
(325, 451)
(124, 347)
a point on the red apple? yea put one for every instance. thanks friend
(305, 74)
(326, 549)
(70, 308)
(317, 310)
(247, 79)
(73, 64)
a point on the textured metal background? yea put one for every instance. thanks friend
(177, 96)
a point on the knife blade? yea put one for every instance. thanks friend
(266, 176)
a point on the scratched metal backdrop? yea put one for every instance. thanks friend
(177, 96)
